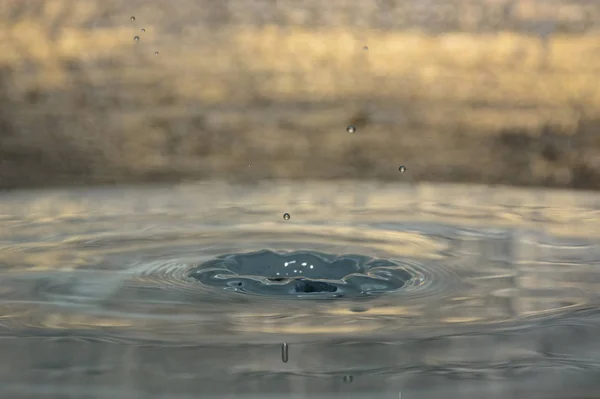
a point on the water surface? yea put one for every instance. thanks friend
(98, 299)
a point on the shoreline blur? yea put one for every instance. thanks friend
(494, 92)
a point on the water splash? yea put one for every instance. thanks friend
(302, 274)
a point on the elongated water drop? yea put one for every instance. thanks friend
(284, 352)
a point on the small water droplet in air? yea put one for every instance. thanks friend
(132, 18)
(286, 216)
(402, 169)
(156, 53)
(136, 38)
(351, 129)
(348, 379)
(284, 352)
(143, 30)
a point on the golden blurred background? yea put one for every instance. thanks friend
(487, 91)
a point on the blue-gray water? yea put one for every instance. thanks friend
(96, 299)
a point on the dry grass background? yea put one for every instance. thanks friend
(472, 91)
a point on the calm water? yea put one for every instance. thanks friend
(97, 298)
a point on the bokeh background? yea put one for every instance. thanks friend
(486, 91)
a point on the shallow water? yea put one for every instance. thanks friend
(98, 297)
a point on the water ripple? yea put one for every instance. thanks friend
(499, 286)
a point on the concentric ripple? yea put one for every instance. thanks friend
(148, 265)
(302, 274)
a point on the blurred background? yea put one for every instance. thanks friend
(482, 91)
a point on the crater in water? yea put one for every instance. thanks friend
(302, 274)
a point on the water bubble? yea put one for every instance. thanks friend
(156, 53)
(136, 38)
(286, 216)
(132, 18)
(351, 129)
(402, 168)
(143, 30)
(348, 379)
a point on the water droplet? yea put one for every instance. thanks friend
(136, 38)
(348, 379)
(284, 352)
(156, 53)
(366, 48)
(286, 216)
(132, 18)
(402, 169)
(143, 30)
(351, 129)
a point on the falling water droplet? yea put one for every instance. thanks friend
(156, 53)
(402, 169)
(136, 38)
(284, 352)
(351, 129)
(286, 216)
(143, 30)
(348, 379)
(132, 18)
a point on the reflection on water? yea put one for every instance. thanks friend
(97, 298)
